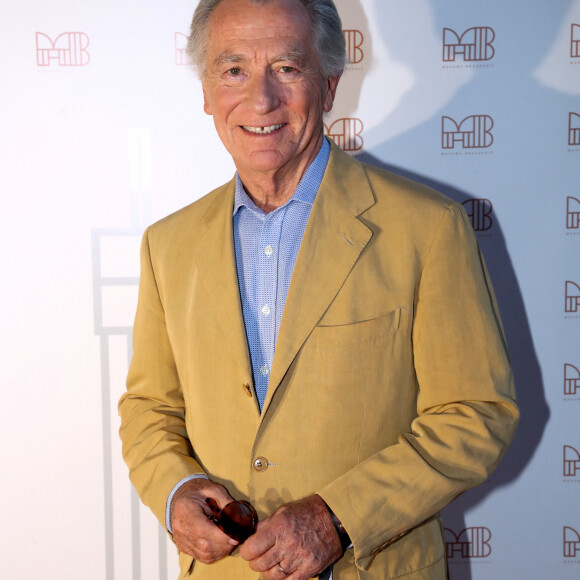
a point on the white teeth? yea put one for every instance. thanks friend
(262, 130)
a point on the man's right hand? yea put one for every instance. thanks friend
(193, 532)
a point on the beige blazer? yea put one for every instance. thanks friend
(390, 391)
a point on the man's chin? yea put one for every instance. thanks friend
(262, 161)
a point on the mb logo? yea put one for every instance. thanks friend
(67, 49)
(573, 213)
(180, 48)
(571, 380)
(346, 133)
(575, 41)
(354, 40)
(572, 297)
(571, 461)
(470, 543)
(475, 44)
(479, 212)
(473, 132)
(571, 542)
(574, 129)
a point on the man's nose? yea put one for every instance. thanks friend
(262, 93)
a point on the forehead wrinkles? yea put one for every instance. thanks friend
(237, 27)
(245, 15)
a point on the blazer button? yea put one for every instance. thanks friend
(260, 464)
(248, 390)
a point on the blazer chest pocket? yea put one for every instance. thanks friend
(357, 334)
(346, 365)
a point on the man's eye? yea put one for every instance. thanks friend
(236, 71)
(287, 69)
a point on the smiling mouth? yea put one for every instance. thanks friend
(262, 130)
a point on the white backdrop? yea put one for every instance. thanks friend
(102, 132)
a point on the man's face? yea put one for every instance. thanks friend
(264, 86)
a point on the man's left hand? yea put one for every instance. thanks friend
(298, 541)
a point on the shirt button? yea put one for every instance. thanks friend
(266, 310)
(264, 370)
(268, 250)
(260, 464)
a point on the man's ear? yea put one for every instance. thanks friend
(206, 105)
(331, 86)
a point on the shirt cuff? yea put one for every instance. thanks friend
(170, 498)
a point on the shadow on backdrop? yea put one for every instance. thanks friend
(391, 140)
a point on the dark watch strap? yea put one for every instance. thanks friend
(342, 533)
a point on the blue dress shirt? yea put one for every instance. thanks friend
(266, 246)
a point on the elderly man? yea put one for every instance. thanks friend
(317, 337)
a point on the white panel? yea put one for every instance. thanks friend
(103, 132)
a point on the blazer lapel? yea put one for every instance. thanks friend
(216, 262)
(333, 241)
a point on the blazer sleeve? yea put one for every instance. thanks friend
(466, 411)
(156, 447)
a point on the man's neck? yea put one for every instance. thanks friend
(271, 190)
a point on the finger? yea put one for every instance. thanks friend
(266, 561)
(197, 490)
(204, 550)
(280, 572)
(258, 544)
(189, 503)
(219, 494)
(204, 528)
(202, 539)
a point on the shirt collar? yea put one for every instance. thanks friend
(306, 190)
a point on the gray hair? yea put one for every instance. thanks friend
(326, 26)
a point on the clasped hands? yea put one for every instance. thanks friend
(298, 541)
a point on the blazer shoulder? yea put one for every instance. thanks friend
(367, 189)
(408, 211)
(404, 193)
(198, 213)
